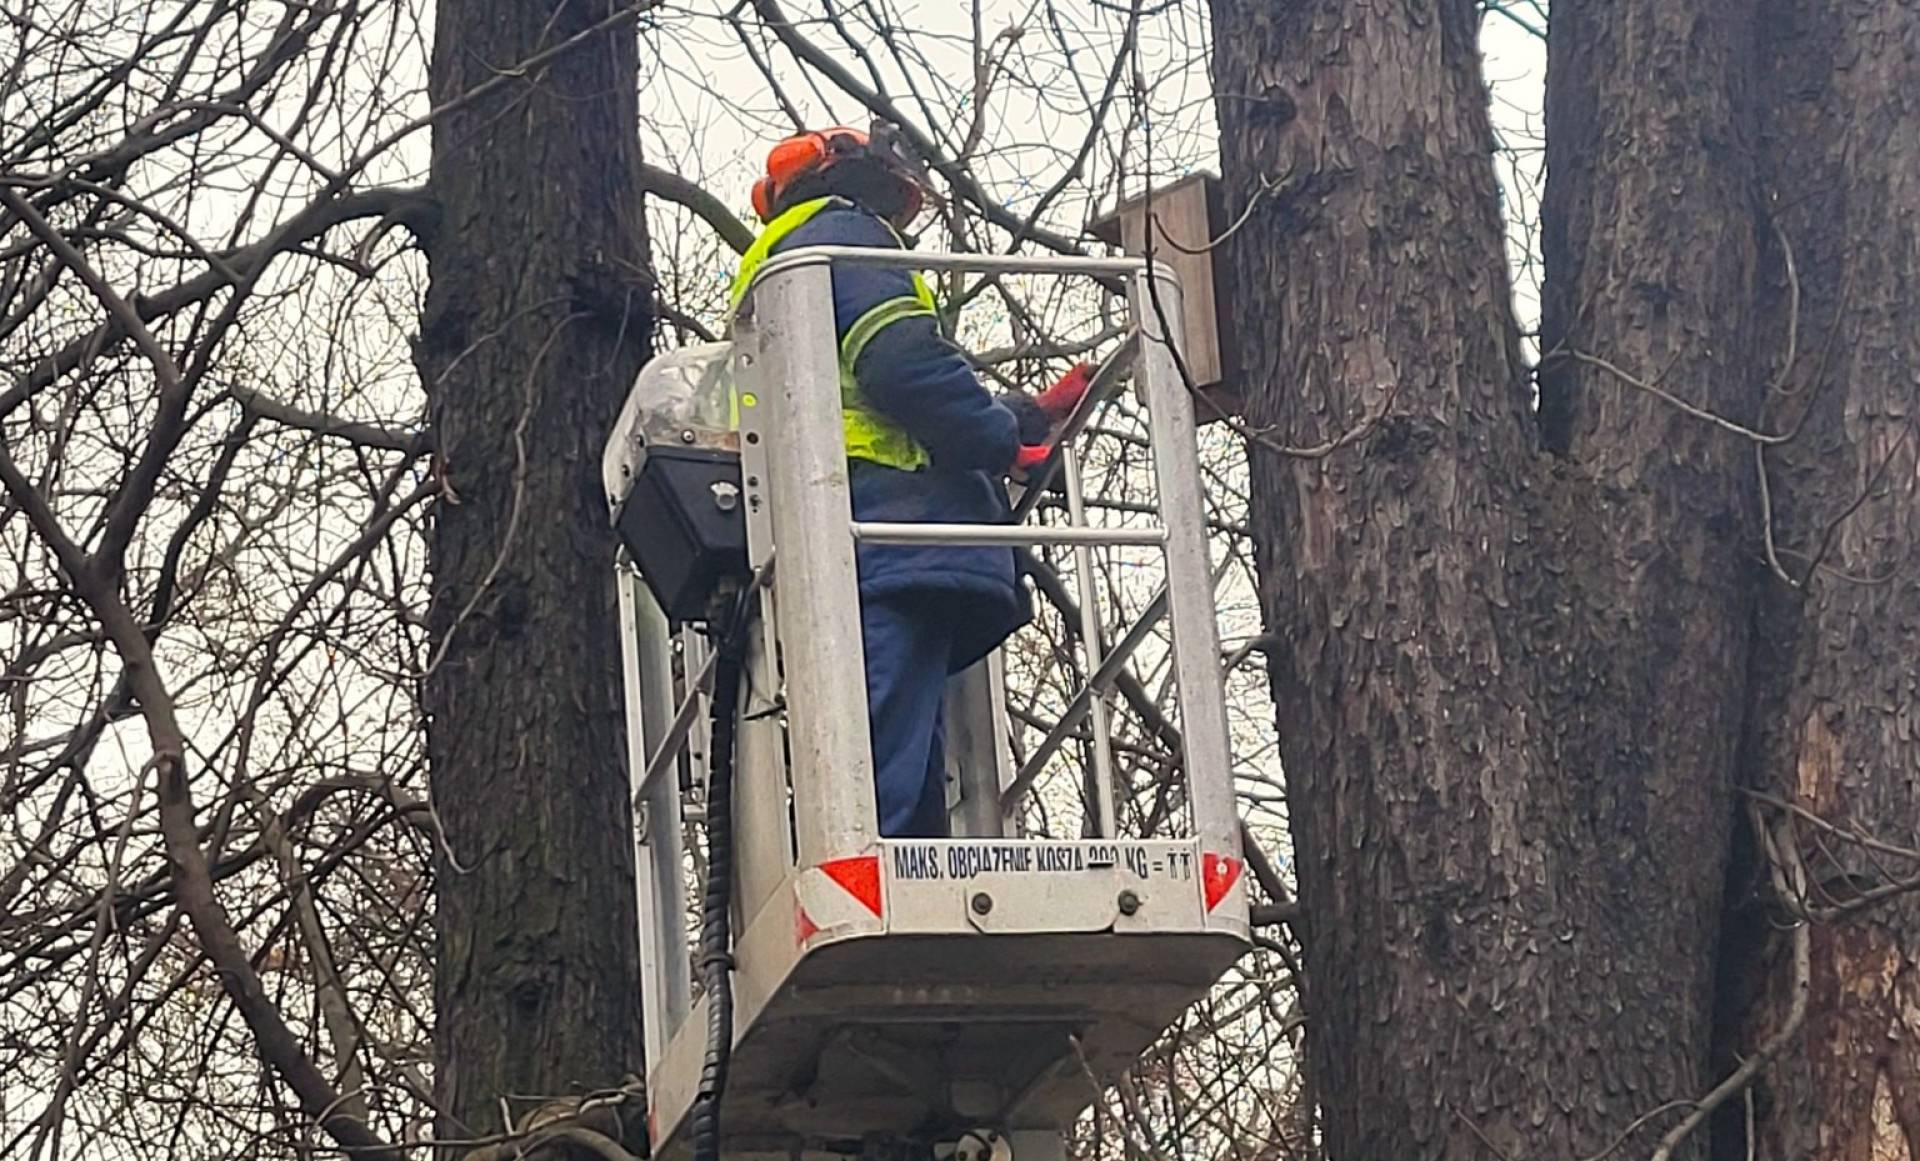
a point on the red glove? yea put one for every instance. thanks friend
(1059, 400)
(1031, 456)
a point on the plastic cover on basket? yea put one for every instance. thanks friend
(684, 397)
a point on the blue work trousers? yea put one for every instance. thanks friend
(909, 652)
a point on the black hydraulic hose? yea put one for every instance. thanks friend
(729, 627)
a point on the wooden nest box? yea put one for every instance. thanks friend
(1187, 216)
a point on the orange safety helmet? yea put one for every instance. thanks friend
(873, 169)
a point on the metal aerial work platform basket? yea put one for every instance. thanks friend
(905, 989)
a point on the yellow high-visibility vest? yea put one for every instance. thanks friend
(869, 435)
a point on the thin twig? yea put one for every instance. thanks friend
(1266, 187)
(1766, 520)
(1866, 493)
(579, 1136)
(1793, 314)
(1496, 1150)
(1832, 828)
(1566, 352)
(409, 205)
(1638, 1123)
(1790, 880)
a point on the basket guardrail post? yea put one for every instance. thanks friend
(1190, 605)
(1106, 817)
(977, 750)
(795, 369)
(763, 850)
(646, 649)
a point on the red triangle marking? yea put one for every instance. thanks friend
(859, 876)
(1218, 874)
(804, 928)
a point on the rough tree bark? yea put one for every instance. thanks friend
(536, 320)
(1836, 716)
(1507, 726)
(1373, 273)
(1648, 239)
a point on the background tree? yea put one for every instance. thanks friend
(201, 497)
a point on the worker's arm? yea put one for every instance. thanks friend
(907, 370)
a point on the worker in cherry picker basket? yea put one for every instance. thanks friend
(925, 443)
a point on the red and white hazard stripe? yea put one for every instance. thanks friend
(837, 897)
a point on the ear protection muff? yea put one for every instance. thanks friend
(763, 199)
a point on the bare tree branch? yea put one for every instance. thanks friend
(410, 205)
(708, 208)
(366, 434)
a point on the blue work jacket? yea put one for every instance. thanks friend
(916, 377)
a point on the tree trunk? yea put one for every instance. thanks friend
(1509, 695)
(1648, 238)
(537, 317)
(1372, 273)
(1836, 718)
